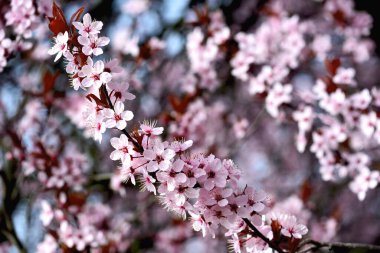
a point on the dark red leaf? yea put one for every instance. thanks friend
(76, 16)
(58, 22)
(98, 101)
(48, 81)
(330, 85)
(332, 65)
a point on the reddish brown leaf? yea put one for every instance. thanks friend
(76, 199)
(98, 101)
(76, 17)
(180, 105)
(48, 81)
(306, 191)
(332, 65)
(330, 85)
(58, 22)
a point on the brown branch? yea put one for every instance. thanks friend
(263, 237)
(340, 245)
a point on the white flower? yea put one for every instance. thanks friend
(278, 95)
(94, 74)
(117, 118)
(92, 44)
(123, 150)
(60, 46)
(88, 26)
(345, 76)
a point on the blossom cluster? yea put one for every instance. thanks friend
(332, 112)
(23, 17)
(205, 188)
(203, 52)
(255, 81)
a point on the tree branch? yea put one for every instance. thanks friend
(341, 245)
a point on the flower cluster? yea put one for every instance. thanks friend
(97, 227)
(23, 16)
(332, 110)
(204, 51)
(204, 187)
(207, 75)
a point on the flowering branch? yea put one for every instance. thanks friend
(139, 148)
(204, 187)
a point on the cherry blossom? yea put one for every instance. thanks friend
(60, 46)
(291, 228)
(94, 74)
(91, 45)
(345, 76)
(117, 117)
(88, 27)
(277, 96)
(123, 150)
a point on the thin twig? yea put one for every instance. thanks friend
(341, 245)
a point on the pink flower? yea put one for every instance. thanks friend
(217, 196)
(88, 27)
(135, 7)
(304, 118)
(291, 228)
(278, 95)
(256, 200)
(150, 129)
(361, 100)
(60, 46)
(183, 192)
(94, 74)
(96, 129)
(123, 150)
(368, 123)
(334, 103)
(47, 214)
(91, 45)
(192, 173)
(218, 215)
(120, 91)
(118, 117)
(148, 182)
(238, 205)
(180, 147)
(216, 175)
(173, 176)
(199, 223)
(48, 245)
(72, 66)
(345, 76)
(159, 157)
(128, 173)
(364, 181)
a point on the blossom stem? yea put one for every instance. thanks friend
(341, 245)
(263, 237)
(139, 148)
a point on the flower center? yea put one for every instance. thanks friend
(117, 117)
